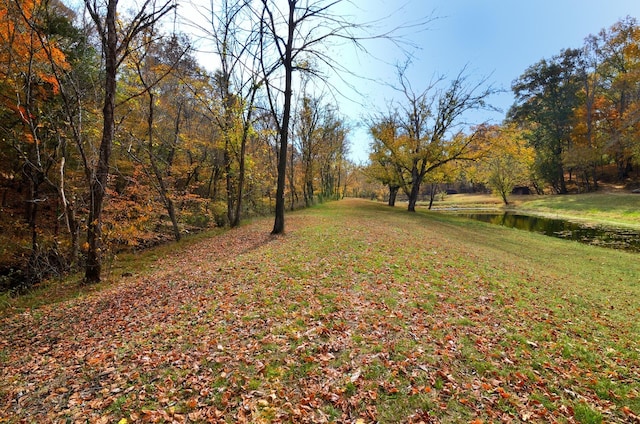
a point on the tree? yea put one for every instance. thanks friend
(287, 52)
(546, 97)
(115, 44)
(430, 120)
(308, 136)
(30, 94)
(620, 73)
(430, 128)
(154, 62)
(586, 147)
(388, 156)
(292, 37)
(507, 160)
(332, 153)
(238, 80)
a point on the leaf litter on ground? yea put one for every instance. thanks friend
(358, 314)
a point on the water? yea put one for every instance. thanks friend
(614, 238)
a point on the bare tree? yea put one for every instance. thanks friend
(294, 35)
(262, 44)
(432, 121)
(115, 44)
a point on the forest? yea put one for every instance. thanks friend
(115, 137)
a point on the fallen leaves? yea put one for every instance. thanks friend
(245, 328)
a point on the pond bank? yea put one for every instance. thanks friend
(615, 209)
(598, 235)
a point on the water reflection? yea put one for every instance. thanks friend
(615, 238)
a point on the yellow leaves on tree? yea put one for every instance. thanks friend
(507, 159)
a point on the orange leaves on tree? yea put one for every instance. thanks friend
(21, 112)
(26, 54)
(29, 138)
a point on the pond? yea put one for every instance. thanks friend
(615, 238)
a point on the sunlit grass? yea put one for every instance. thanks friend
(611, 208)
(550, 309)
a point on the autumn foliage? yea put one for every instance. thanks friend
(579, 109)
(356, 314)
(577, 112)
(186, 153)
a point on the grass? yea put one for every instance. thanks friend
(608, 208)
(359, 312)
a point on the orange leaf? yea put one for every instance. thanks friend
(503, 394)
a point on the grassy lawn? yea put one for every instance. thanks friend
(360, 313)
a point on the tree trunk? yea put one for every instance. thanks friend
(563, 184)
(74, 233)
(432, 194)
(164, 195)
(229, 179)
(241, 173)
(176, 140)
(503, 194)
(99, 177)
(162, 186)
(416, 180)
(393, 193)
(214, 179)
(34, 192)
(69, 214)
(338, 181)
(292, 181)
(308, 185)
(278, 225)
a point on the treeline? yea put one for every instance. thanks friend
(114, 136)
(576, 117)
(580, 109)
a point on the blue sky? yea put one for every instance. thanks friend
(498, 39)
